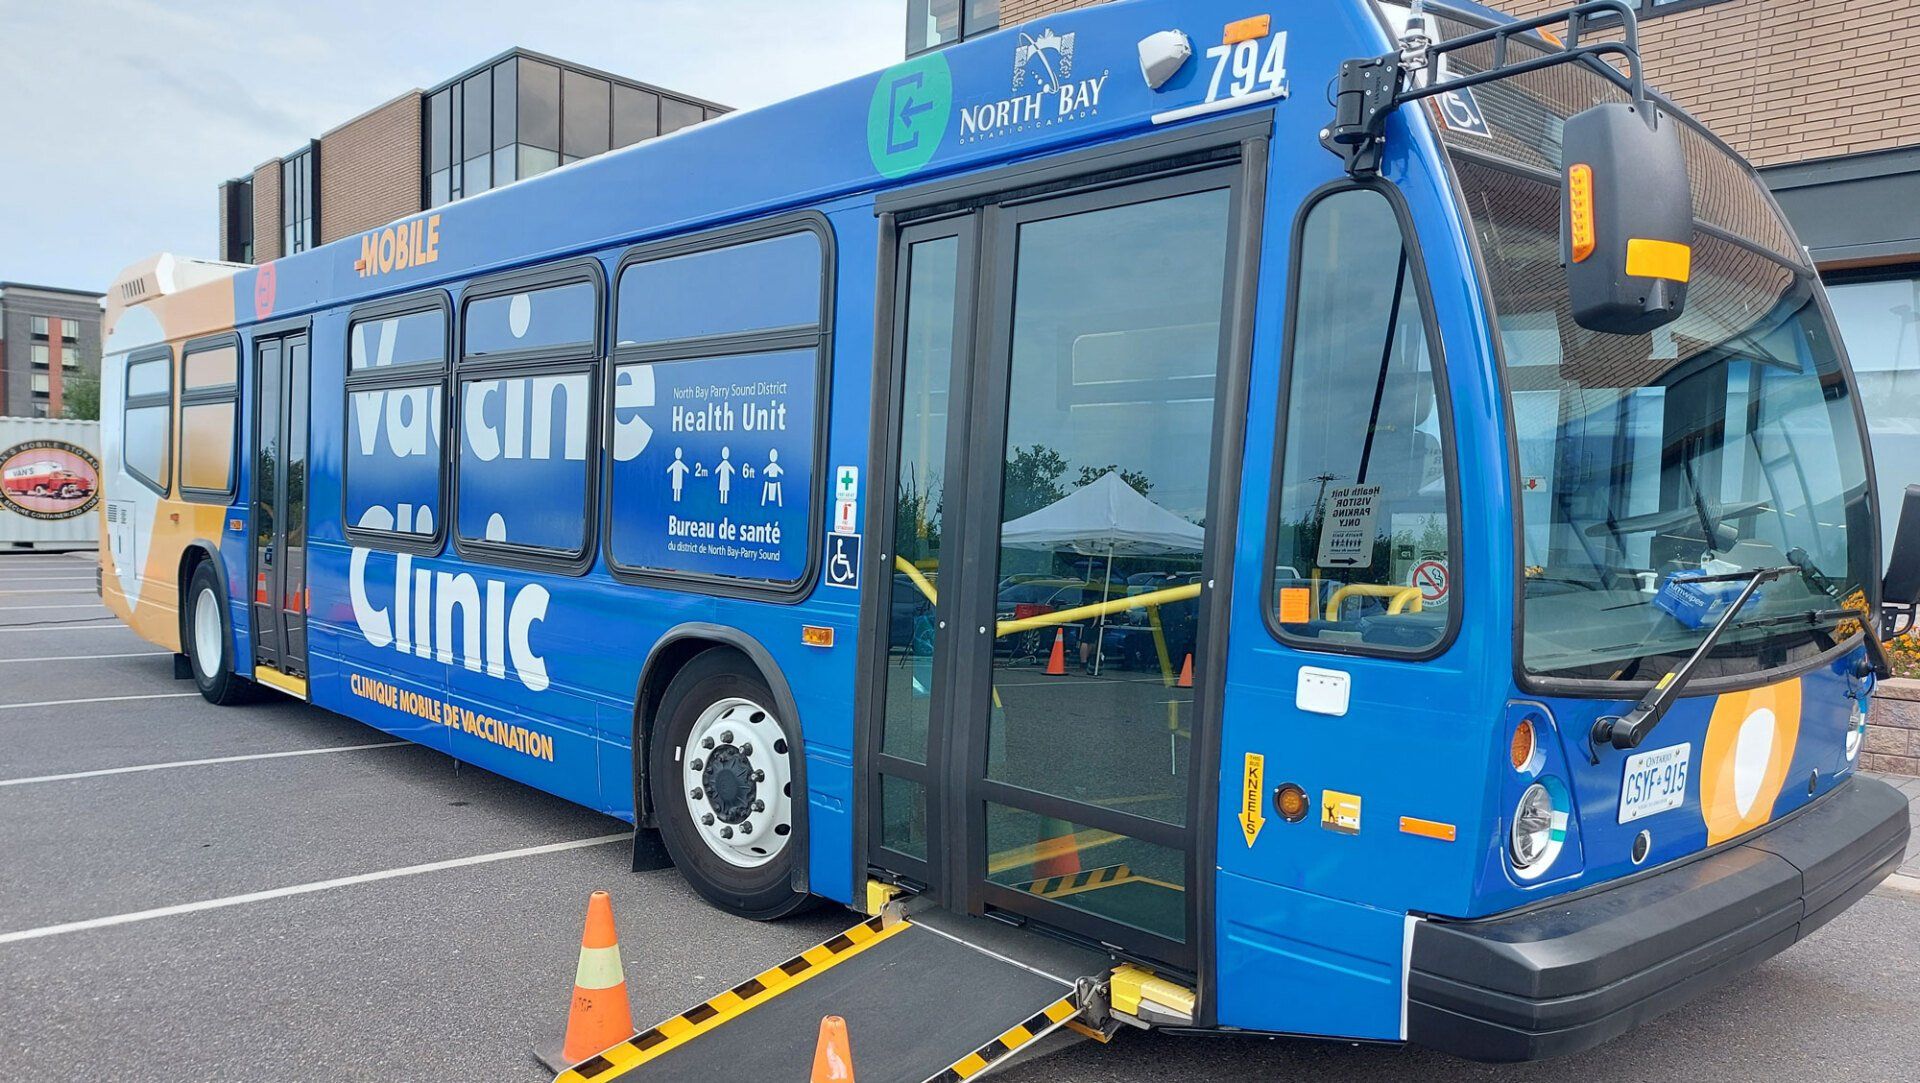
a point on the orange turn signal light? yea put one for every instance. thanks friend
(816, 635)
(1580, 210)
(1520, 752)
(1290, 801)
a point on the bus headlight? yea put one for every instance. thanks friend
(1532, 842)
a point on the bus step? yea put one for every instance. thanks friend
(934, 997)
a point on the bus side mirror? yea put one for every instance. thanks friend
(1626, 219)
(1901, 587)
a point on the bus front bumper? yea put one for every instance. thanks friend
(1558, 979)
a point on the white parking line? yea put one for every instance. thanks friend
(36, 608)
(96, 699)
(46, 578)
(86, 657)
(81, 625)
(304, 889)
(69, 590)
(198, 763)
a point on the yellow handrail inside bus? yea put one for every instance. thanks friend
(1399, 597)
(1099, 609)
(919, 580)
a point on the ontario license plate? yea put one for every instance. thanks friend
(1654, 782)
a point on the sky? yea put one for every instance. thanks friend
(119, 119)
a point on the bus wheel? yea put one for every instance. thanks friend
(721, 778)
(209, 641)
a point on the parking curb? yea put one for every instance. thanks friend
(1900, 884)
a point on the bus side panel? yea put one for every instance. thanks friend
(365, 674)
(1327, 967)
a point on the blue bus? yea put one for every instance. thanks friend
(1331, 518)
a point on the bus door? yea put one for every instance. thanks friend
(1047, 545)
(279, 606)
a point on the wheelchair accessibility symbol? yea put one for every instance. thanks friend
(843, 561)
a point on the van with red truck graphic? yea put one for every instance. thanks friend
(46, 478)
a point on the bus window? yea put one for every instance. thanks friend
(526, 429)
(1363, 552)
(209, 396)
(715, 407)
(396, 393)
(149, 404)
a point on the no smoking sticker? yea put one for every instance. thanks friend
(1432, 579)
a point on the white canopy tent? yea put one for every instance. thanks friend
(1106, 517)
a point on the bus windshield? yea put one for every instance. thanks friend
(1724, 443)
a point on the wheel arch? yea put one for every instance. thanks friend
(195, 553)
(681, 645)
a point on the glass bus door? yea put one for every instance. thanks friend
(280, 504)
(1047, 569)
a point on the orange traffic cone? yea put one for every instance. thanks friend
(599, 1017)
(832, 1057)
(1057, 665)
(1057, 849)
(1186, 671)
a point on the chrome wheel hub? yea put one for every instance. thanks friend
(736, 783)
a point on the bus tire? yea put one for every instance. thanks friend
(207, 639)
(720, 774)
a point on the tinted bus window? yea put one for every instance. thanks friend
(145, 423)
(209, 396)
(523, 460)
(1363, 545)
(396, 396)
(748, 287)
(541, 319)
(715, 411)
(526, 404)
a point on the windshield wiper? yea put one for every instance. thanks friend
(1628, 730)
(1878, 663)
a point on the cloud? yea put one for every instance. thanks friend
(123, 117)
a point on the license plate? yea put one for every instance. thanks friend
(1654, 782)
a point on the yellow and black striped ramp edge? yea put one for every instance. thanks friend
(920, 1005)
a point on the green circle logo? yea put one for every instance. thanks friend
(908, 117)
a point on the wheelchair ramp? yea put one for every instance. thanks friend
(934, 999)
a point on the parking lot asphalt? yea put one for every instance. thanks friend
(320, 903)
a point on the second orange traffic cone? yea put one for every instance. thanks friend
(600, 1017)
(1186, 672)
(832, 1057)
(1057, 665)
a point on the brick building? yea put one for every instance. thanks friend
(49, 338)
(516, 115)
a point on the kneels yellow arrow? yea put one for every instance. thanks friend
(1253, 815)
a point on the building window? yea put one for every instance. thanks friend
(40, 383)
(934, 23)
(1879, 320)
(209, 404)
(396, 394)
(539, 117)
(40, 327)
(69, 331)
(1364, 502)
(675, 115)
(636, 115)
(37, 352)
(298, 220)
(585, 116)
